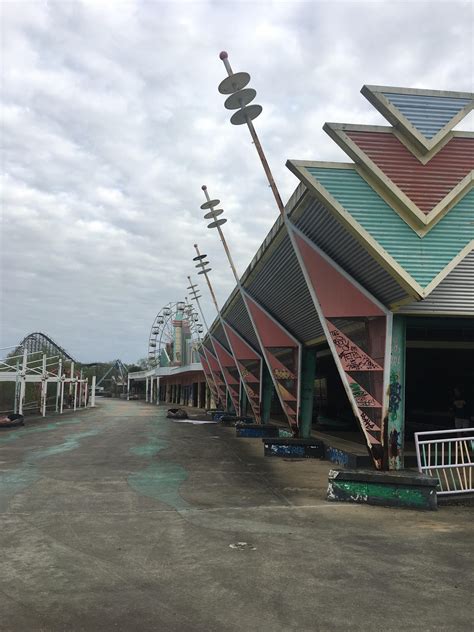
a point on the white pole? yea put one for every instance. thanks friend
(157, 391)
(58, 384)
(61, 407)
(23, 381)
(72, 376)
(86, 392)
(81, 385)
(17, 387)
(128, 388)
(75, 394)
(146, 390)
(93, 391)
(44, 387)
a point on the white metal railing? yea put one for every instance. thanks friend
(447, 455)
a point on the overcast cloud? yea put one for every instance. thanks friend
(111, 122)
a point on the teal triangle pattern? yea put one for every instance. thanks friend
(422, 257)
(428, 114)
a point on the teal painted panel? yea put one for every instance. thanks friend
(428, 114)
(423, 258)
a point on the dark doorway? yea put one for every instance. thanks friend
(202, 397)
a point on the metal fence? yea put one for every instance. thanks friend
(448, 456)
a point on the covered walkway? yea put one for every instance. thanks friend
(119, 519)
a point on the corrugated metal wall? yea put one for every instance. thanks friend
(278, 284)
(423, 258)
(208, 344)
(219, 334)
(454, 295)
(429, 114)
(235, 313)
(326, 231)
(425, 185)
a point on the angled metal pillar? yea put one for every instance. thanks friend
(281, 350)
(337, 299)
(226, 360)
(250, 365)
(308, 371)
(208, 375)
(346, 310)
(213, 372)
(267, 394)
(282, 353)
(243, 364)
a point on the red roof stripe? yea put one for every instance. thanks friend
(426, 185)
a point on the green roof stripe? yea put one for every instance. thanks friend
(423, 258)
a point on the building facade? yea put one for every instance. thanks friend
(356, 314)
(359, 305)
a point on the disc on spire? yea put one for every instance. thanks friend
(217, 223)
(240, 99)
(234, 82)
(199, 257)
(210, 204)
(248, 113)
(214, 213)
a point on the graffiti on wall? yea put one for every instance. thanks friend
(337, 456)
(395, 396)
(351, 356)
(362, 397)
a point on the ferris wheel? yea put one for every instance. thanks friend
(175, 323)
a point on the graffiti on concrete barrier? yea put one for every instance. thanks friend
(337, 456)
(287, 450)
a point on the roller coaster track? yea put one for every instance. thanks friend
(38, 342)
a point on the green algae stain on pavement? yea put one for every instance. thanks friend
(160, 479)
(71, 442)
(16, 480)
(151, 448)
(25, 432)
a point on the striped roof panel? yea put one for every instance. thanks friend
(429, 114)
(423, 258)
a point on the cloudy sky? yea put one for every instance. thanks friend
(111, 122)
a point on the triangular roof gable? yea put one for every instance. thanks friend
(419, 264)
(425, 117)
(422, 192)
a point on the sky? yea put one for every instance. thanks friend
(111, 121)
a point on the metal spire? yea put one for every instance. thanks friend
(239, 100)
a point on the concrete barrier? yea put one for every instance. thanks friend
(256, 430)
(293, 448)
(232, 420)
(388, 489)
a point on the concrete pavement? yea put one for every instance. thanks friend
(119, 519)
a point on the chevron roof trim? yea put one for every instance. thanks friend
(419, 263)
(421, 192)
(425, 117)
